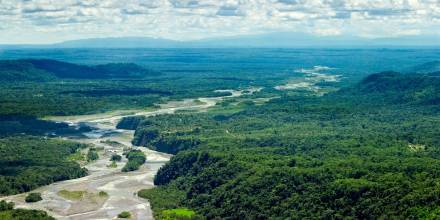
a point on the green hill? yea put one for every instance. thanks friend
(429, 67)
(366, 152)
(19, 70)
(28, 162)
(45, 69)
(399, 88)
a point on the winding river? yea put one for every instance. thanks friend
(120, 187)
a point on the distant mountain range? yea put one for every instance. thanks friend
(272, 40)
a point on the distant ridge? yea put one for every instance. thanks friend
(47, 69)
(122, 42)
(270, 40)
(429, 67)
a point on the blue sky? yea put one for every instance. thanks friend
(47, 21)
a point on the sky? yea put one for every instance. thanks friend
(49, 21)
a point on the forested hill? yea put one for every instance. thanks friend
(354, 154)
(46, 69)
(399, 88)
(42, 87)
(429, 67)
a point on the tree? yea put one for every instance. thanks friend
(92, 155)
(116, 157)
(33, 197)
(124, 214)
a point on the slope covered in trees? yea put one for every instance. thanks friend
(398, 88)
(7, 212)
(28, 162)
(42, 87)
(429, 67)
(17, 70)
(45, 69)
(30, 125)
(365, 152)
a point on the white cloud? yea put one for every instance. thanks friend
(53, 20)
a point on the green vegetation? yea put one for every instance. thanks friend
(198, 102)
(83, 195)
(33, 197)
(124, 214)
(72, 195)
(112, 165)
(19, 124)
(163, 198)
(135, 159)
(112, 143)
(116, 157)
(45, 69)
(365, 152)
(166, 203)
(180, 214)
(77, 156)
(29, 162)
(130, 123)
(6, 205)
(7, 212)
(164, 143)
(50, 87)
(102, 194)
(92, 154)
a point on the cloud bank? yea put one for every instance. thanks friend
(45, 21)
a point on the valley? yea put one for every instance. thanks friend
(120, 188)
(219, 110)
(217, 138)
